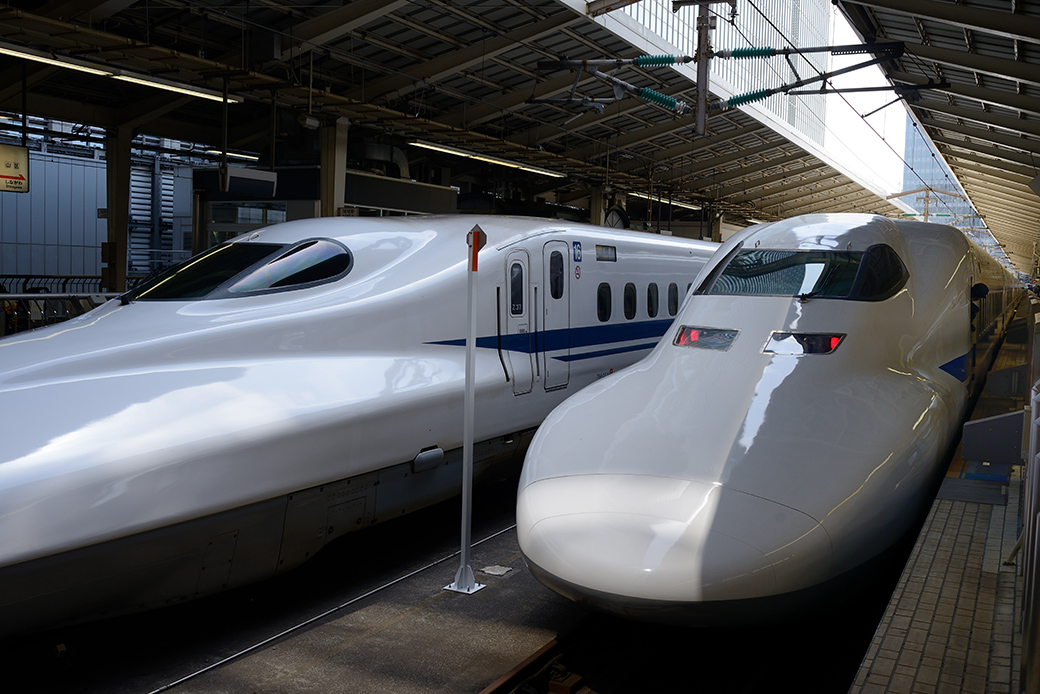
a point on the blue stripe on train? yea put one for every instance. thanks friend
(958, 368)
(574, 338)
(607, 352)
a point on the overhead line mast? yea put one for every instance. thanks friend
(704, 105)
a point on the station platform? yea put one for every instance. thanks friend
(954, 620)
(411, 636)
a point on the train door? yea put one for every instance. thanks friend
(556, 312)
(519, 313)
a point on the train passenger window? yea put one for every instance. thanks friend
(303, 265)
(516, 290)
(630, 301)
(201, 275)
(652, 300)
(880, 276)
(556, 275)
(603, 302)
(673, 299)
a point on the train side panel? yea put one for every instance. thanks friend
(242, 434)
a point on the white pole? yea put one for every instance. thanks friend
(464, 580)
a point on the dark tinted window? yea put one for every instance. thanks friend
(871, 275)
(603, 302)
(652, 300)
(516, 289)
(556, 275)
(882, 274)
(310, 262)
(788, 273)
(630, 301)
(673, 299)
(201, 275)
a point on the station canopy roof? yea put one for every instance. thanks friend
(464, 73)
(985, 118)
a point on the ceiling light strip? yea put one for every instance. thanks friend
(447, 149)
(103, 71)
(250, 157)
(177, 87)
(43, 57)
(673, 203)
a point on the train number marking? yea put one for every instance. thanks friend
(576, 245)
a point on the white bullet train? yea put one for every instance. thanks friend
(789, 428)
(227, 419)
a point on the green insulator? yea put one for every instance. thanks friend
(657, 98)
(751, 52)
(654, 60)
(742, 99)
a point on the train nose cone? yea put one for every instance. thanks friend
(657, 540)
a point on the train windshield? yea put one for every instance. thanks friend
(871, 275)
(240, 269)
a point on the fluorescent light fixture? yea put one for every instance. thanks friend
(672, 203)
(250, 157)
(44, 57)
(485, 158)
(104, 71)
(179, 87)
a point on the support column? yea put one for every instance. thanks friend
(332, 141)
(117, 175)
(597, 208)
(716, 227)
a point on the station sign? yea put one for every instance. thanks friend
(14, 169)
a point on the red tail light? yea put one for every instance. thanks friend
(803, 343)
(705, 338)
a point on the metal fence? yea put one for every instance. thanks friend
(31, 301)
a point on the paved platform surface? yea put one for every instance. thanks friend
(953, 624)
(410, 637)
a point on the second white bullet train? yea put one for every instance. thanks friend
(789, 428)
(223, 422)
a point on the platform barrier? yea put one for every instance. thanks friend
(1030, 666)
(32, 301)
(21, 312)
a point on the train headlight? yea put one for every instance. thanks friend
(704, 338)
(803, 343)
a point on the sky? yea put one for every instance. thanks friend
(868, 152)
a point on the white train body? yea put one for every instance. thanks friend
(228, 420)
(737, 468)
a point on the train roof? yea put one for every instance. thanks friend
(854, 232)
(501, 230)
